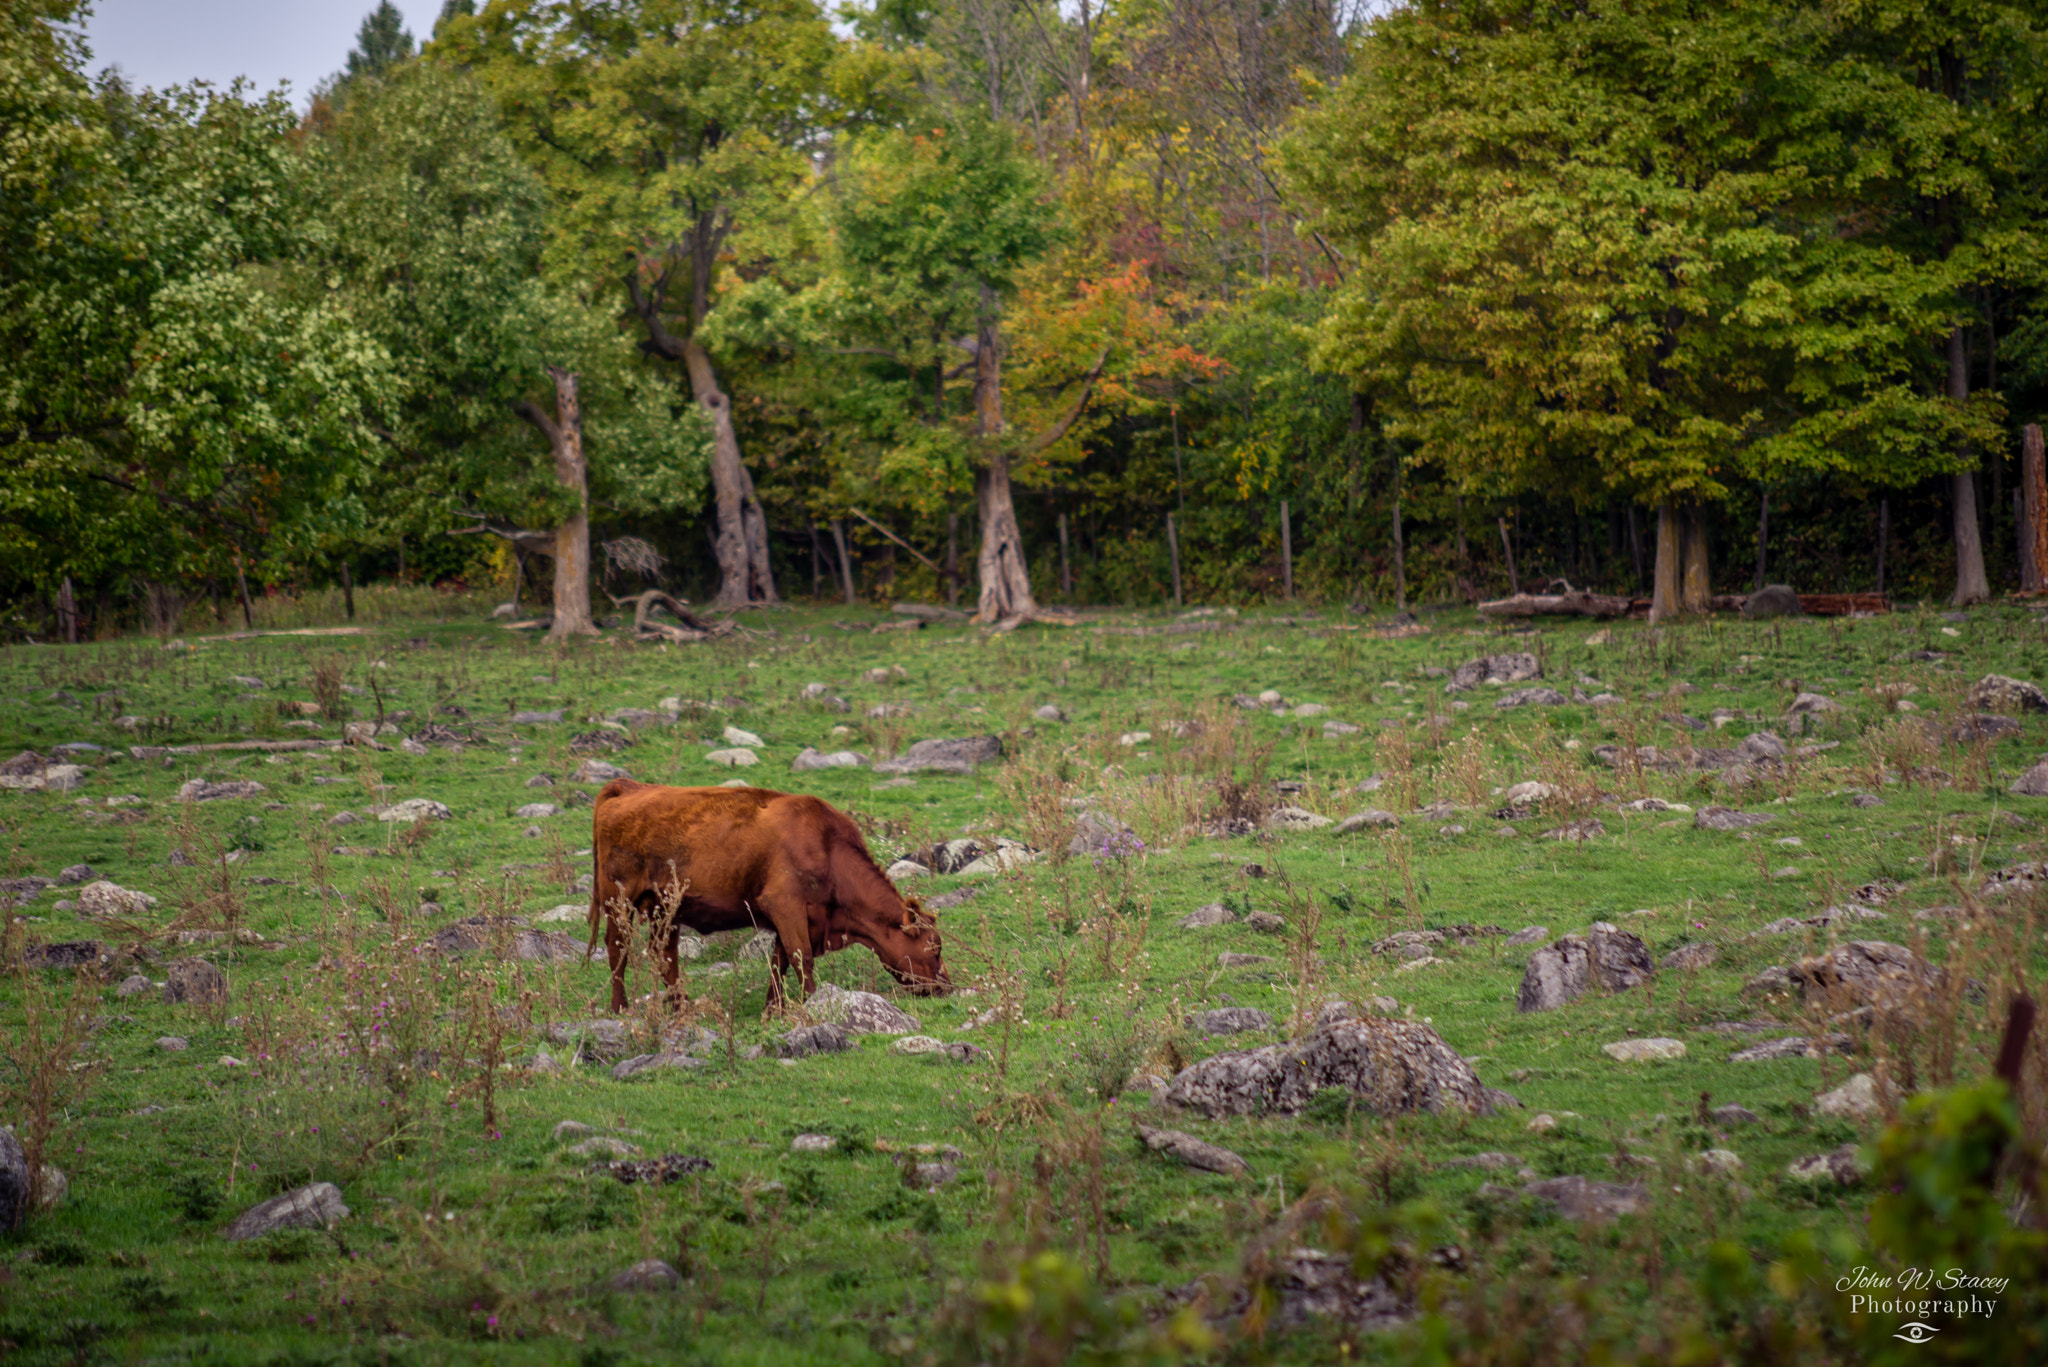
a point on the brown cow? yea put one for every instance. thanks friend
(729, 858)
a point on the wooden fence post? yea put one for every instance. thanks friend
(1172, 554)
(2034, 511)
(1286, 552)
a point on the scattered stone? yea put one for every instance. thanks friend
(649, 1274)
(1734, 1115)
(904, 869)
(75, 873)
(111, 899)
(314, 1206)
(1333, 729)
(413, 809)
(1095, 833)
(1840, 1167)
(552, 718)
(861, 1013)
(2033, 783)
(739, 758)
(1577, 831)
(1772, 600)
(1209, 914)
(1371, 817)
(1484, 1162)
(813, 1143)
(194, 982)
(172, 1044)
(1231, 1020)
(1048, 712)
(1563, 971)
(1266, 923)
(601, 1040)
(1391, 1066)
(536, 809)
(1643, 1050)
(1864, 973)
(807, 1040)
(954, 756)
(918, 1044)
(340, 819)
(1531, 697)
(932, 1176)
(1690, 957)
(1793, 1046)
(1721, 1162)
(647, 1063)
(1528, 935)
(1541, 1122)
(199, 790)
(1728, 819)
(541, 781)
(1292, 818)
(1512, 668)
(1230, 960)
(602, 1146)
(1579, 1199)
(1856, 1099)
(597, 771)
(1997, 693)
(1983, 726)
(133, 985)
(809, 758)
(1192, 1152)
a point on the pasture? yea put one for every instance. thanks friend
(992, 1203)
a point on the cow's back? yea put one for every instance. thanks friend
(724, 844)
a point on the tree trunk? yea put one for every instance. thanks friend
(1508, 548)
(1971, 584)
(1884, 535)
(741, 543)
(1066, 574)
(953, 556)
(1005, 582)
(1173, 557)
(2033, 528)
(845, 559)
(1763, 535)
(348, 588)
(1695, 583)
(242, 585)
(1400, 550)
(67, 613)
(1286, 551)
(1635, 546)
(1667, 598)
(572, 538)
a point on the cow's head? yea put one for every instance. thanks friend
(910, 948)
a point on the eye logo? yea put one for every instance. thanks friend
(1915, 1332)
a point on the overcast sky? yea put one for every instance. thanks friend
(164, 42)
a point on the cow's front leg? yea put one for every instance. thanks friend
(671, 970)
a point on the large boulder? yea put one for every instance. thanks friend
(1864, 973)
(1772, 600)
(958, 756)
(194, 982)
(1560, 972)
(111, 899)
(314, 1206)
(860, 1013)
(2033, 783)
(1191, 1151)
(1096, 834)
(1390, 1066)
(1511, 668)
(1997, 693)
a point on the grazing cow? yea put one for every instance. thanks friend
(728, 858)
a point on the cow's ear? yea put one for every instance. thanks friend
(912, 909)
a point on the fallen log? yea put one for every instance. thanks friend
(1578, 604)
(693, 628)
(1842, 604)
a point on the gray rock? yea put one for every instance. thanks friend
(1560, 972)
(1292, 818)
(76, 873)
(808, 759)
(1208, 914)
(1793, 1046)
(1512, 668)
(1230, 960)
(1094, 832)
(1856, 1099)
(1266, 923)
(647, 1063)
(1371, 817)
(601, 1040)
(932, 1176)
(1864, 973)
(1978, 726)
(2033, 783)
(1193, 1152)
(1813, 704)
(536, 809)
(1763, 745)
(340, 819)
(1865, 800)
(1839, 1168)
(571, 1129)
(1390, 1066)
(1485, 1162)
(111, 899)
(1690, 957)
(860, 1013)
(813, 1143)
(1578, 1199)
(553, 718)
(807, 1040)
(1644, 1050)
(1528, 935)
(541, 781)
(1231, 1020)
(413, 809)
(1728, 819)
(199, 790)
(1531, 697)
(1734, 1115)
(132, 985)
(597, 771)
(602, 1146)
(173, 1044)
(314, 1206)
(1577, 831)
(1997, 693)
(14, 1181)
(649, 1274)
(194, 982)
(956, 756)
(1772, 600)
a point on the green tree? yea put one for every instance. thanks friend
(432, 232)
(382, 42)
(666, 131)
(1613, 250)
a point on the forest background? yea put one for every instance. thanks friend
(1028, 303)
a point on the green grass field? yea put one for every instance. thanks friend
(476, 1236)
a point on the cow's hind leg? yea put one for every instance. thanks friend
(616, 946)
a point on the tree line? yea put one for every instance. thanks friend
(1032, 302)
